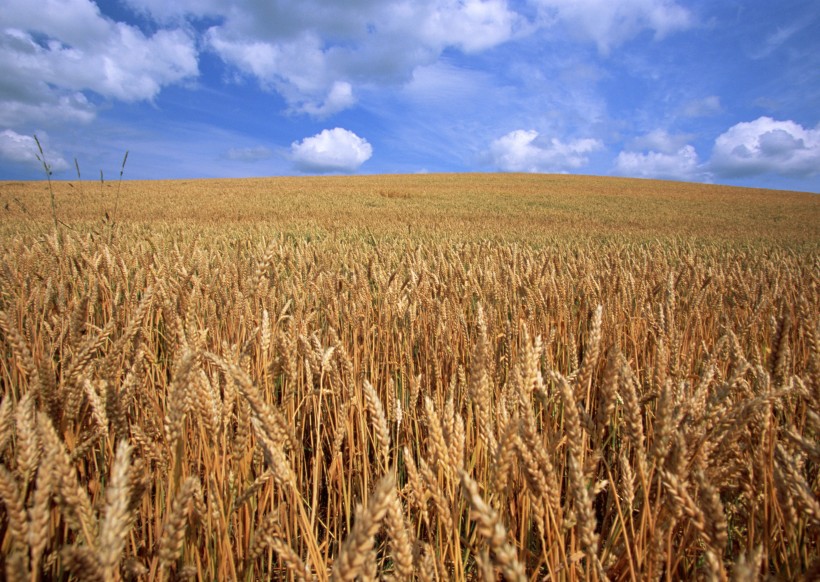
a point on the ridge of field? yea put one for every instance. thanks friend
(522, 206)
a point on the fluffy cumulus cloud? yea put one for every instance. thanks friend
(522, 151)
(610, 24)
(682, 164)
(471, 25)
(315, 52)
(660, 154)
(332, 150)
(23, 149)
(766, 145)
(52, 53)
(58, 56)
(660, 140)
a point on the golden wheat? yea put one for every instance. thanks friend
(211, 391)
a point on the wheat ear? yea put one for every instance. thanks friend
(117, 521)
(74, 498)
(502, 552)
(173, 532)
(15, 510)
(358, 545)
(40, 515)
(377, 417)
(399, 540)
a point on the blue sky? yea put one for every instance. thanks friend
(711, 91)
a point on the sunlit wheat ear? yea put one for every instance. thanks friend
(17, 567)
(275, 426)
(40, 515)
(74, 500)
(591, 351)
(504, 457)
(98, 411)
(480, 384)
(276, 461)
(173, 531)
(87, 352)
(502, 552)
(378, 419)
(265, 334)
(780, 355)
(790, 479)
(28, 445)
(19, 348)
(6, 421)
(355, 550)
(15, 510)
(633, 415)
(439, 496)
(457, 440)
(607, 397)
(577, 482)
(179, 399)
(436, 442)
(402, 548)
(715, 514)
(116, 521)
(416, 490)
(681, 502)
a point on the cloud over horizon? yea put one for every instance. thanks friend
(23, 149)
(332, 150)
(680, 165)
(522, 151)
(765, 146)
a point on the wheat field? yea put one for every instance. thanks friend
(409, 377)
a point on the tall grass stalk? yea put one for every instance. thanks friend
(47, 169)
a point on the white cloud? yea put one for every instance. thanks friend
(332, 150)
(518, 151)
(315, 52)
(23, 149)
(294, 65)
(45, 107)
(51, 54)
(610, 23)
(682, 164)
(659, 140)
(338, 99)
(766, 146)
(471, 25)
